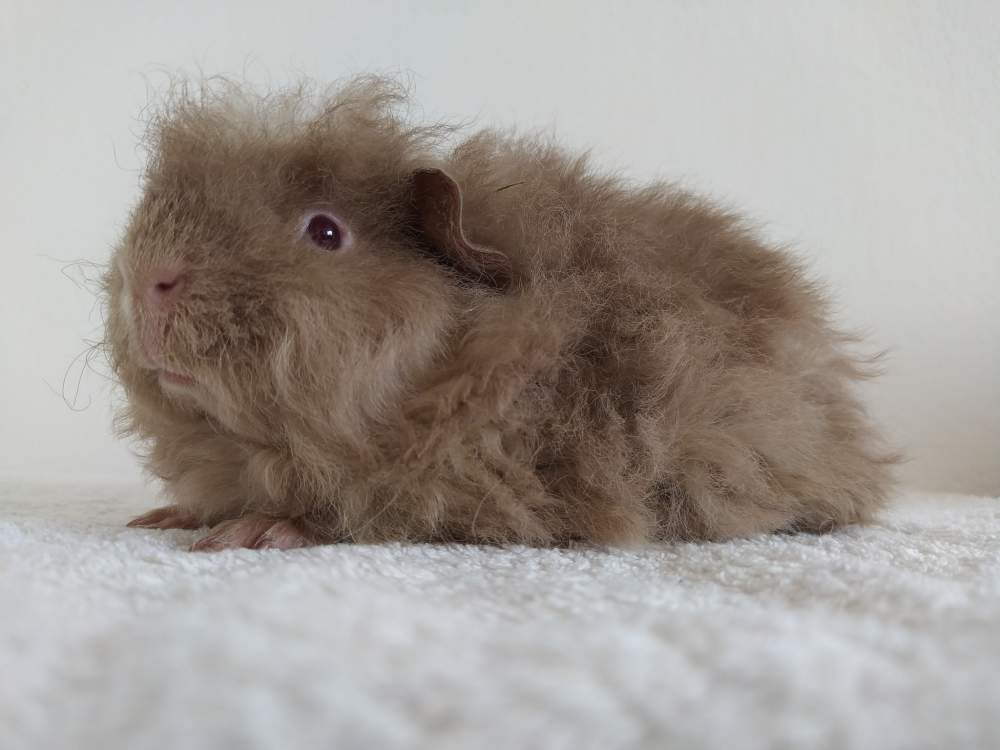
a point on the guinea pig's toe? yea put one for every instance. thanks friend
(239, 532)
(167, 517)
(252, 531)
(283, 535)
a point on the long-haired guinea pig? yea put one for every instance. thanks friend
(331, 325)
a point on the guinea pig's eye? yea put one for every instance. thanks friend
(324, 231)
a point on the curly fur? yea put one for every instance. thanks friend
(649, 369)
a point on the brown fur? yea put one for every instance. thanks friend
(596, 362)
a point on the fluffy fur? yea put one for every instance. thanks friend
(579, 359)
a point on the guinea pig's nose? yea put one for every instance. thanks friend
(164, 286)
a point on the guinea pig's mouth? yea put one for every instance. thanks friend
(175, 380)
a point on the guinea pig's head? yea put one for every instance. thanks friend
(293, 259)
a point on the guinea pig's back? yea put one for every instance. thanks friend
(551, 212)
(718, 344)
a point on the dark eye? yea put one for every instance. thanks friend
(324, 232)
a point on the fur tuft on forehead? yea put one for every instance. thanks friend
(362, 124)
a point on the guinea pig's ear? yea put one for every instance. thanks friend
(437, 201)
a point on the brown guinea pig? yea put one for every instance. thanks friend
(330, 326)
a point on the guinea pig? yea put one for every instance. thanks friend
(333, 324)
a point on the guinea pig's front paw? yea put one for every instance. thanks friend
(253, 531)
(167, 517)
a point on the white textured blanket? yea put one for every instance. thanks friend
(880, 637)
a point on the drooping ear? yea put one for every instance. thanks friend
(437, 202)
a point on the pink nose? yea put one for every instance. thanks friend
(164, 286)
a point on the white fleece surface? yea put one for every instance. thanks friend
(880, 637)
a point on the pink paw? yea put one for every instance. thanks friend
(253, 531)
(167, 517)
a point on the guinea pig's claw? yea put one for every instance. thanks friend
(253, 531)
(167, 517)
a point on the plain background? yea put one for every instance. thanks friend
(865, 134)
